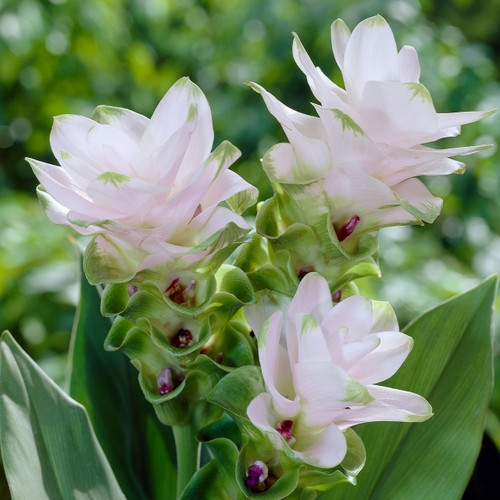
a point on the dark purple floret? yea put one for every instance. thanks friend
(182, 339)
(285, 429)
(256, 474)
(348, 228)
(165, 381)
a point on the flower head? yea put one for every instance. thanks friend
(148, 187)
(384, 97)
(321, 364)
(359, 159)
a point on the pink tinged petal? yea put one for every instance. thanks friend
(182, 206)
(371, 54)
(384, 317)
(328, 448)
(451, 120)
(311, 344)
(409, 66)
(389, 405)
(275, 367)
(126, 195)
(440, 166)
(325, 389)
(397, 113)
(346, 353)
(226, 185)
(81, 172)
(164, 162)
(130, 122)
(350, 319)
(346, 139)
(353, 191)
(219, 219)
(340, 35)
(69, 134)
(384, 360)
(181, 104)
(306, 125)
(312, 297)
(418, 200)
(111, 149)
(325, 91)
(406, 163)
(62, 188)
(58, 214)
(306, 135)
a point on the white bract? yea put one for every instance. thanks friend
(149, 187)
(365, 149)
(321, 364)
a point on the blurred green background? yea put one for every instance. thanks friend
(62, 56)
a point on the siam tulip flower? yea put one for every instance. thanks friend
(384, 97)
(321, 364)
(149, 189)
(359, 159)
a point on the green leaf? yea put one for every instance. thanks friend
(140, 449)
(225, 454)
(207, 483)
(450, 366)
(49, 448)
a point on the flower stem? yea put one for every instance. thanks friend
(188, 455)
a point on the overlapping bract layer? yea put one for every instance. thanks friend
(321, 364)
(149, 188)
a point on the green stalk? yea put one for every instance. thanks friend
(188, 455)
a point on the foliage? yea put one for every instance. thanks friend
(67, 57)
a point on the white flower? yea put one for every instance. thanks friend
(384, 97)
(321, 365)
(149, 187)
(359, 159)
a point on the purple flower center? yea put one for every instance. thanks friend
(132, 289)
(348, 228)
(256, 474)
(337, 296)
(285, 429)
(165, 381)
(181, 294)
(182, 339)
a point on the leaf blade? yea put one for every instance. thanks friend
(44, 431)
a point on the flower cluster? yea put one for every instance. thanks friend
(165, 215)
(359, 158)
(149, 188)
(321, 364)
